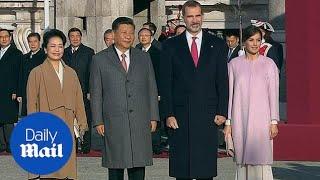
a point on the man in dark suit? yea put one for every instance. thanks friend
(32, 59)
(108, 37)
(124, 103)
(145, 38)
(153, 28)
(232, 39)
(194, 96)
(10, 64)
(277, 46)
(78, 57)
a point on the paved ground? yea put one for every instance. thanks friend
(90, 169)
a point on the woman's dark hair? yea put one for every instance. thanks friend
(53, 33)
(250, 31)
(121, 20)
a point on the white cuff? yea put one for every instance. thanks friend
(228, 122)
(274, 121)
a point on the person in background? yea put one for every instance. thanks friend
(108, 37)
(232, 38)
(172, 22)
(32, 59)
(10, 78)
(253, 112)
(180, 29)
(145, 39)
(78, 57)
(153, 28)
(54, 87)
(269, 47)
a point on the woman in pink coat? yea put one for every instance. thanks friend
(253, 109)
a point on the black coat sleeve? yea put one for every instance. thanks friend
(222, 82)
(166, 81)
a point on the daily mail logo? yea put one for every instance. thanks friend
(32, 150)
(41, 138)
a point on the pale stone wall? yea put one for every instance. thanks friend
(99, 15)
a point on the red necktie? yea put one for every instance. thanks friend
(194, 51)
(123, 62)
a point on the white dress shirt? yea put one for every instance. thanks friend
(60, 74)
(146, 49)
(198, 40)
(4, 50)
(127, 53)
(74, 49)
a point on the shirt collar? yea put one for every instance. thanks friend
(6, 48)
(74, 48)
(33, 53)
(147, 48)
(189, 36)
(120, 53)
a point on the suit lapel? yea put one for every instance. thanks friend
(67, 88)
(204, 51)
(185, 51)
(133, 62)
(7, 53)
(116, 61)
(52, 85)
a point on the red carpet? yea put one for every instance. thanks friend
(94, 153)
(164, 154)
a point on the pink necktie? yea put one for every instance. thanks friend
(194, 51)
(123, 62)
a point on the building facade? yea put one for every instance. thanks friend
(93, 17)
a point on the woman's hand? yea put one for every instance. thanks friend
(273, 131)
(227, 131)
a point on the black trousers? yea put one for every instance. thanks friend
(137, 173)
(86, 145)
(5, 134)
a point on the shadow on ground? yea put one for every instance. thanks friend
(294, 171)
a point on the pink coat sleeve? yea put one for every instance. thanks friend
(273, 85)
(231, 82)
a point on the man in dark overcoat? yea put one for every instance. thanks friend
(10, 76)
(78, 57)
(124, 103)
(32, 59)
(194, 96)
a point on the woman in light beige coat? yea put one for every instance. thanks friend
(54, 87)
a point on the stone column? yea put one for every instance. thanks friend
(106, 12)
(158, 16)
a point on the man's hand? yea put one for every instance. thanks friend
(13, 96)
(19, 99)
(153, 125)
(219, 120)
(273, 131)
(100, 129)
(172, 122)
